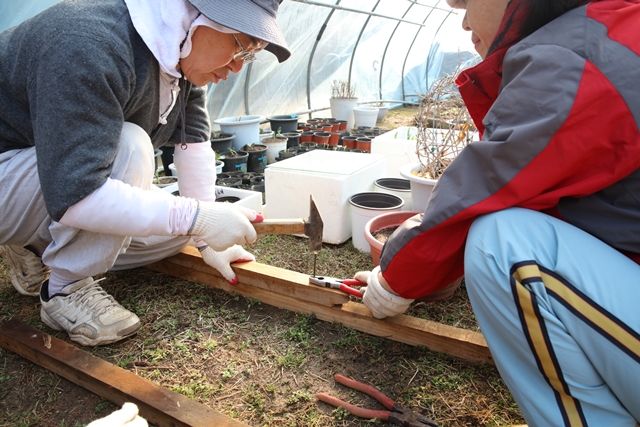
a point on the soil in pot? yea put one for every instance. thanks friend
(257, 160)
(234, 161)
(227, 199)
(165, 180)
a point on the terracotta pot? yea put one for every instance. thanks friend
(349, 141)
(363, 144)
(321, 138)
(380, 222)
(306, 136)
(334, 137)
(343, 124)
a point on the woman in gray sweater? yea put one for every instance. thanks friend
(88, 89)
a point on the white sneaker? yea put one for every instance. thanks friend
(26, 269)
(87, 313)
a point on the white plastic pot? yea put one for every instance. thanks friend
(365, 116)
(274, 148)
(421, 188)
(246, 128)
(397, 186)
(219, 166)
(342, 109)
(365, 206)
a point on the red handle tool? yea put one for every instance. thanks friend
(396, 414)
(343, 284)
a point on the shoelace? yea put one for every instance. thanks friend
(94, 297)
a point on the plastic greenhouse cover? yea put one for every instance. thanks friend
(388, 49)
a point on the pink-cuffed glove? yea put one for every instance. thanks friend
(222, 225)
(380, 301)
(127, 416)
(221, 261)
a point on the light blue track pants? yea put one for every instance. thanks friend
(560, 311)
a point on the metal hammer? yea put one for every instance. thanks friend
(311, 227)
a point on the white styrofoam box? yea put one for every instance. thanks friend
(248, 198)
(398, 146)
(331, 177)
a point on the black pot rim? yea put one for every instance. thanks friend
(376, 200)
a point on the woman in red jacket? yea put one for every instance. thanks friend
(542, 216)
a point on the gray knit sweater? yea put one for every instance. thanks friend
(69, 78)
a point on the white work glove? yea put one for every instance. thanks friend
(221, 261)
(381, 302)
(125, 417)
(222, 225)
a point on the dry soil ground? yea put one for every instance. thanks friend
(253, 362)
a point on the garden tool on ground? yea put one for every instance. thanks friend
(311, 227)
(396, 414)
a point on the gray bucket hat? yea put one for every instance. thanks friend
(256, 18)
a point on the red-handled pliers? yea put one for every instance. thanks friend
(395, 414)
(343, 284)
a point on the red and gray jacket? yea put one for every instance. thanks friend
(559, 114)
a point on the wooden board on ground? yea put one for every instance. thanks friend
(292, 291)
(157, 404)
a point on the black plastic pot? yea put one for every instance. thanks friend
(257, 160)
(393, 184)
(286, 123)
(293, 139)
(221, 142)
(228, 199)
(235, 164)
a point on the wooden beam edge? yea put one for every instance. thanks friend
(456, 342)
(157, 404)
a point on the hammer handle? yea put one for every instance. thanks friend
(280, 226)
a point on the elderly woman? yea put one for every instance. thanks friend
(542, 216)
(88, 88)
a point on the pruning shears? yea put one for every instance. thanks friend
(343, 284)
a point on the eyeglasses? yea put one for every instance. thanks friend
(246, 55)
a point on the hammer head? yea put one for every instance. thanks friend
(313, 227)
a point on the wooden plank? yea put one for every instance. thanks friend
(457, 342)
(158, 405)
(278, 280)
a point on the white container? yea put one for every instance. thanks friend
(382, 111)
(331, 177)
(365, 116)
(397, 186)
(219, 166)
(173, 170)
(398, 146)
(342, 109)
(246, 128)
(421, 188)
(248, 199)
(368, 205)
(274, 148)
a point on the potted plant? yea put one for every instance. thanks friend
(443, 129)
(343, 100)
(221, 141)
(234, 160)
(257, 160)
(383, 108)
(276, 143)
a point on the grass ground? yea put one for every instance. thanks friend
(253, 362)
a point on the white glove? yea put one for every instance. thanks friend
(221, 260)
(222, 225)
(125, 417)
(380, 301)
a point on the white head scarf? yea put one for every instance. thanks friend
(166, 26)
